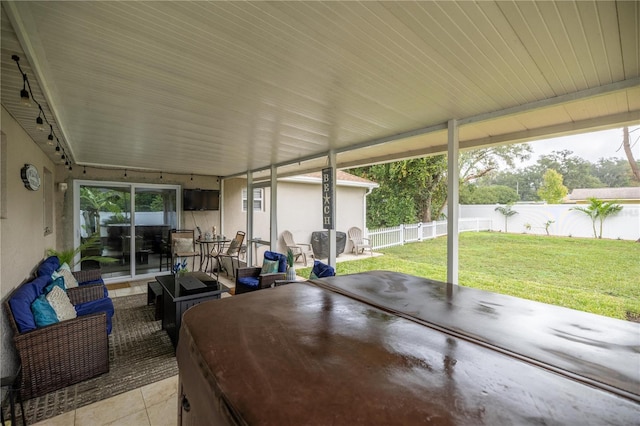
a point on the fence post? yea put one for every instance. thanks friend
(401, 234)
(419, 231)
(434, 229)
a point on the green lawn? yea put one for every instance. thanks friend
(598, 276)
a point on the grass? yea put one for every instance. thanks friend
(598, 276)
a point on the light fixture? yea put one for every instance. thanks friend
(58, 148)
(70, 168)
(160, 175)
(84, 172)
(24, 94)
(50, 137)
(63, 156)
(66, 163)
(125, 172)
(40, 124)
(191, 176)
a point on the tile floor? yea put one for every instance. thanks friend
(155, 404)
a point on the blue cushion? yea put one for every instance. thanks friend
(249, 281)
(21, 302)
(58, 282)
(48, 266)
(43, 312)
(101, 305)
(321, 270)
(281, 258)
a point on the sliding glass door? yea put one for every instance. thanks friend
(124, 227)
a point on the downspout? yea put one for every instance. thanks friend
(364, 212)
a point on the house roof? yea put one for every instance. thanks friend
(342, 179)
(221, 88)
(620, 194)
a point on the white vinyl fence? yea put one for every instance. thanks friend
(399, 235)
(561, 218)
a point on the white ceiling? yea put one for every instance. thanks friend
(219, 88)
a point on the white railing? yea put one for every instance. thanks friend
(399, 235)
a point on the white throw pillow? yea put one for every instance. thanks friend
(69, 280)
(60, 303)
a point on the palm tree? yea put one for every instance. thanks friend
(507, 212)
(599, 210)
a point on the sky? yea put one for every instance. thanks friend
(590, 146)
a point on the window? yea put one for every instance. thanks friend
(257, 199)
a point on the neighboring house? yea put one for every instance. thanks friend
(628, 195)
(299, 206)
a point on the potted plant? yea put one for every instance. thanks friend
(89, 245)
(291, 271)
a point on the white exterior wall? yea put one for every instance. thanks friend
(235, 219)
(299, 210)
(624, 225)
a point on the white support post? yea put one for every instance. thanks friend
(249, 236)
(332, 232)
(453, 184)
(401, 234)
(274, 208)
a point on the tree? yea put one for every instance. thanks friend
(96, 200)
(627, 150)
(552, 190)
(599, 210)
(419, 186)
(507, 212)
(613, 172)
(492, 194)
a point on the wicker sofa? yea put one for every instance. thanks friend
(67, 352)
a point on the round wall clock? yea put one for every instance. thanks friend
(30, 177)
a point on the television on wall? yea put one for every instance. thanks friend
(200, 199)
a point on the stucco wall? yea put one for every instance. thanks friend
(299, 210)
(22, 240)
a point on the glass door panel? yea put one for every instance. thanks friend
(155, 214)
(105, 221)
(129, 244)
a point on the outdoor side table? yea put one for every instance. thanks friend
(12, 384)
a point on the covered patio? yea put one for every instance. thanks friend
(184, 95)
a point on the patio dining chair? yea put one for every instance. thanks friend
(233, 251)
(359, 243)
(183, 245)
(298, 249)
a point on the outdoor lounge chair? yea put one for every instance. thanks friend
(255, 278)
(359, 243)
(298, 249)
